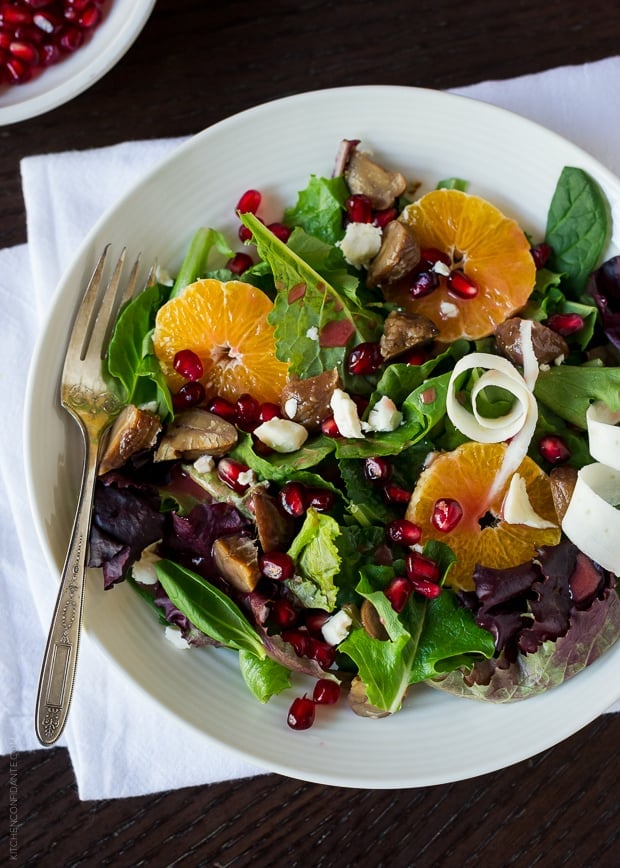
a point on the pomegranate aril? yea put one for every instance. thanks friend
(447, 513)
(423, 284)
(71, 39)
(319, 499)
(187, 364)
(293, 499)
(299, 639)
(240, 263)
(398, 592)
(50, 54)
(5, 39)
(47, 22)
(415, 356)
(244, 233)
(90, 17)
(12, 16)
(39, 4)
(247, 409)
(301, 713)
(359, 208)
(315, 619)
(425, 587)
(431, 255)
(322, 652)
(269, 410)
(377, 469)
(461, 285)
(249, 203)
(329, 427)
(18, 71)
(395, 494)
(189, 395)
(280, 231)
(565, 324)
(553, 449)
(25, 51)
(540, 254)
(382, 218)
(77, 4)
(277, 566)
(421, 567)
(365, 359)
(222, 407)
(284, 614)
(235, 474)
(403, 532)
(326, 692)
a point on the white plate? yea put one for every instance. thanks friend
(120, 27)
(275, 147)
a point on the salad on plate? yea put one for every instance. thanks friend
(378, 445)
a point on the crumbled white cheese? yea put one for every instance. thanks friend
(282, 435)
(143, 571)
(290, 407)
(517, 508)
(361, 243)
(162, 275)
(312, 333)
(173, 635)
(441, 268)
(559, 359)
(345, 414)
(448, 310)
(204, 464)
(246, 477)
(336, 629)
(384, 416)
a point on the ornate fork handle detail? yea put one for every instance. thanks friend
(60, 658)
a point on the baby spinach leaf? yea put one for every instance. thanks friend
(577, 228)
(569, 390)
(208, 608)
(131, 361)
(282, 467)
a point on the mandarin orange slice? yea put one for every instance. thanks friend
(464, 478)
(225, 324)
(490, 248)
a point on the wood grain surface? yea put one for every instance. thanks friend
(196, 63)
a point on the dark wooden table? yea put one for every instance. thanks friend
(190, 67)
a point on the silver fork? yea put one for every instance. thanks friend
(85, 395)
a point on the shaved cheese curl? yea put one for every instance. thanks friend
(604, 434)
(591, 521)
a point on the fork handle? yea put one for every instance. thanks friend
(60, 657)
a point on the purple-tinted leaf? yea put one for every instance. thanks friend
(189, 539)
(604, 287)
(126, 519)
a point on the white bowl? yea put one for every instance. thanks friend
(436, 738)
(123, 21)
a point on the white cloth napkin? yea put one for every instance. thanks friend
(121, 754)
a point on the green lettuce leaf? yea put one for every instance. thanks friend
(314, 323)
(264, 676)
(317, 561)
(319, 208)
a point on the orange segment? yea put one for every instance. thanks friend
(225, 324)
(489, 247)
(481, 536)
